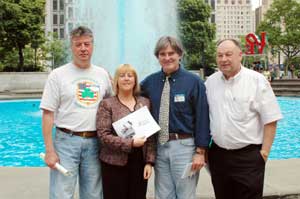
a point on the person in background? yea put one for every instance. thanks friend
(243, 114)
(180, 107)
(126, 162)
(70, 101)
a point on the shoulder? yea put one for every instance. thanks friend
(190, 78)
(214, 76)
(108, 102)
(100, 70)
(151, 77)
(252, 75)
(143, 100)
(60, 71)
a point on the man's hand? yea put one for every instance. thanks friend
(51, 158)
(198, 162)
(198, 159)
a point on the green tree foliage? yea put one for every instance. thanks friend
(282, 24)
(197, 34)
(57, 51)
(21, 24)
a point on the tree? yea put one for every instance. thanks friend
(197, 33)
(57, 50)
(21, 24)
(282, 24)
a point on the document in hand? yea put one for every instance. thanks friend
(188, 171)
(140, 123)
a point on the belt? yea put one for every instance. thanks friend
(85, 134)
(179, 136)
(248, 147)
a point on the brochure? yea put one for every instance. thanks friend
(140, 123)
(188, 171)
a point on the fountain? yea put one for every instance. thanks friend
(126, 30)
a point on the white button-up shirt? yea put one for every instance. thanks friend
(240, 107)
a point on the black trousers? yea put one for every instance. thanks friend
(125, 182)
(237, 174)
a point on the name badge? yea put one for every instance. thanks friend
(179, 98)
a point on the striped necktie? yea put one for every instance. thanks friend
(163, 135)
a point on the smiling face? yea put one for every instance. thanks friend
(126, 81)
(169, 60)
(82, 49)
(229, 57)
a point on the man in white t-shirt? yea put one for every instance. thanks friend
(243, 114)
(70, 101)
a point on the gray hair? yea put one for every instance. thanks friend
(81, 31)
(165, 41)
(234, 41)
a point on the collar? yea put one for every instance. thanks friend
(173, 75)
(235, 77)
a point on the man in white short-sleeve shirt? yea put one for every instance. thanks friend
(70, 101)
(243, 114)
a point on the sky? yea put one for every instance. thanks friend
(255, 3)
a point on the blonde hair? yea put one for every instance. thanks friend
(123, 68)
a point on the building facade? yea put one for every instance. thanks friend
(233, 18)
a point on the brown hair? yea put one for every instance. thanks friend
(165, 41)
(81, 31)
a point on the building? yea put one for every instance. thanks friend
(60, 17)
(261, 11)
(233, 18)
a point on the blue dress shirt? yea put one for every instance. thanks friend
(188, 103)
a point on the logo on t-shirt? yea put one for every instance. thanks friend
(87, 93)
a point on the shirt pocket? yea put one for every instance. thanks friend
(240, 109)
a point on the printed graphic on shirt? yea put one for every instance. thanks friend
(87, 93)
(179, 98)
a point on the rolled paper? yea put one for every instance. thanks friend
(57, 166)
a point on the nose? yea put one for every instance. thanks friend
(82, 47)
(223, 58)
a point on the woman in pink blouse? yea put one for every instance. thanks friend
(126, 162)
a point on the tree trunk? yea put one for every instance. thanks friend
(21, 59)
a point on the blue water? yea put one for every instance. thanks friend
(21, 138)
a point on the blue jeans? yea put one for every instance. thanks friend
(171, 161)
(79, 156)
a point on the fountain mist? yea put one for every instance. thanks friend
(126, 30)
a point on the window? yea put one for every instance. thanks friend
(54, 4)
(61, 19)
(62, 33)
(70, 27)
(61, 4)
(55, 19)
(70, 13)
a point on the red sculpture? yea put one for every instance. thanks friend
(254, 41)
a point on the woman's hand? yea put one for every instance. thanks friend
(147, 171)
(138, 142)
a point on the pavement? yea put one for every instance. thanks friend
(282, 181)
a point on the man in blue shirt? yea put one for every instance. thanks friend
(188, 122)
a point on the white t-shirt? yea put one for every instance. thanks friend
(240, 107)
(73, 94)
